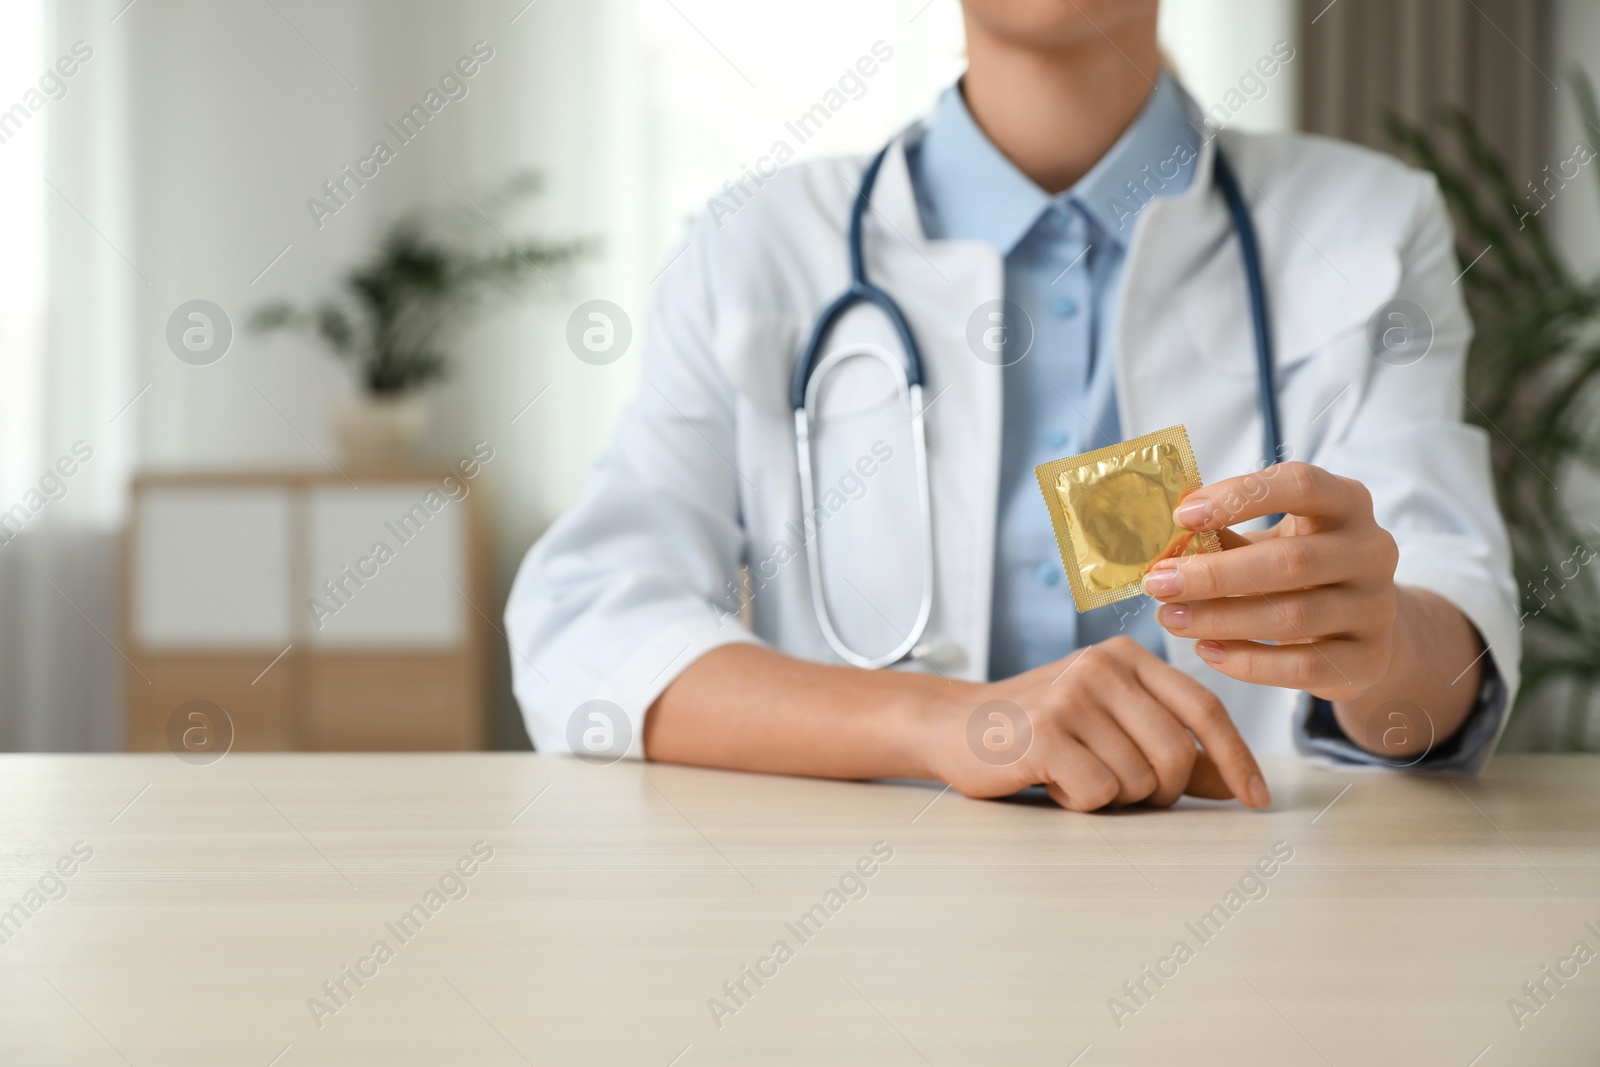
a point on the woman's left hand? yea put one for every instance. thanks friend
(1320, 583)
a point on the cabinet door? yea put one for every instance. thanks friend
(386, 569)
(211, 569)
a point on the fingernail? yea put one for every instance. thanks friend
(1174, 616)
(1168, 582)
(1194, 514)
(1259, 797)
(1211, 652)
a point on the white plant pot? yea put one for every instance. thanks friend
(381, 432)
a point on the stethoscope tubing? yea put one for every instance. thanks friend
(860, 291)
(1250, 254)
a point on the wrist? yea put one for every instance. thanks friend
(931, 718)
(1414, 704)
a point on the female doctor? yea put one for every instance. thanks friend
(1058, 238)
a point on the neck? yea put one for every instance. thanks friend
(1054, 111)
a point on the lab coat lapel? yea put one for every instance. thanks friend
(1161, 378)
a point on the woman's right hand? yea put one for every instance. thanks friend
(1110, 724)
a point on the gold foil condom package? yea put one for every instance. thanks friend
(1112, 513)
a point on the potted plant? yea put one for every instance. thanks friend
(397, 312)
(1533, 381)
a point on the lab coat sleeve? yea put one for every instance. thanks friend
(1429, 475)
(639, 578)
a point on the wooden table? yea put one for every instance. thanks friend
(618, 900)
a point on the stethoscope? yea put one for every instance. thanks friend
(907, 375)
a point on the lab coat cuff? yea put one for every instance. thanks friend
(646, 673)
(1318, 735)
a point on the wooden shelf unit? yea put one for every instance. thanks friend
(220, 572)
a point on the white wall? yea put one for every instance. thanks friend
(720, 101)
(236, 123)
(1215, 45)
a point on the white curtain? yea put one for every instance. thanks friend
(65, 373)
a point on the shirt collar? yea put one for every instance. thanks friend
(967, 188)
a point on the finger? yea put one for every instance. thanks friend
(1295, 616)
(1316, 666)
(1101, 734)
(1274, 565)
(1199, 709)
(1282, 489)
(1078, 779)
(1163, 742)
(1206, 781)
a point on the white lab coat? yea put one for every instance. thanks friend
(637, 580)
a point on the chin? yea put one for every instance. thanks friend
(1056, 23)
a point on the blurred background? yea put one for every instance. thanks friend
(285, 280)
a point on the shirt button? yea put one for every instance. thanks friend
(1049, 573)
(1056, 439)
(1065, 307)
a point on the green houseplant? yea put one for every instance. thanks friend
(396, 313)
(1533, 382)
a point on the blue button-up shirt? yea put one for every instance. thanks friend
(1064, 259)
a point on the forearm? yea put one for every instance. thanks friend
(1431, 685)
(745, 707)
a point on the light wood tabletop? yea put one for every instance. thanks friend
(517, 909)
